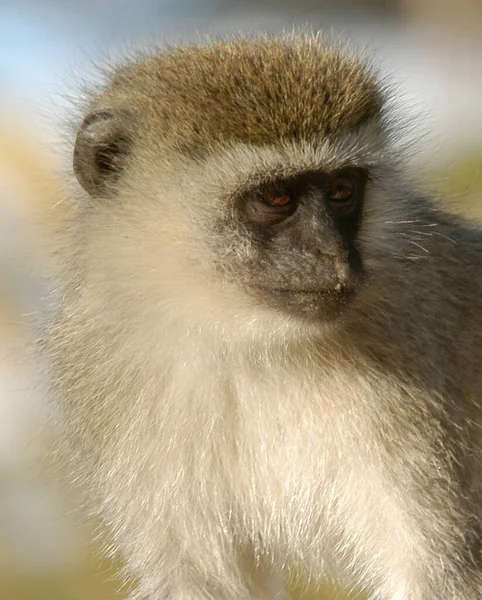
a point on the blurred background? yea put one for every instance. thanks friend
(432, 50)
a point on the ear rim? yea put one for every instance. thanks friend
(103, 138)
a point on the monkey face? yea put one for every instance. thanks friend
(298, 239)
(278, 234)
(236, 187)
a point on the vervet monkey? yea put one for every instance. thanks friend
(267, 347)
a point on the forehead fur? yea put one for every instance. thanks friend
(252, 91)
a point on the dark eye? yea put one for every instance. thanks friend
(276, 196)
(270, 204)
(341, 196)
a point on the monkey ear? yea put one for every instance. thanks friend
(101, 148)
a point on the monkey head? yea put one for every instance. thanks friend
(235, 180)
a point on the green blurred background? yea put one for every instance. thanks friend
(432, 49)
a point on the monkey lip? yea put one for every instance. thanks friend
(296, 291)
(316, 304)
(336, 292)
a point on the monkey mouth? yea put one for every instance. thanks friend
(315, 304)
(338, 291)
(303, 291)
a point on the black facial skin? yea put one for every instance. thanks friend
(303, 254)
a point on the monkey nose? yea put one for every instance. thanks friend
(343, 273)
(349, 276)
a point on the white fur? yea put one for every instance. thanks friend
(211, 428)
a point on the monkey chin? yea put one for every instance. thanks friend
(315, 306)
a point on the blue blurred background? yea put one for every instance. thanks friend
(432, 50)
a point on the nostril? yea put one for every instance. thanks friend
(318, 254)
(325, 252)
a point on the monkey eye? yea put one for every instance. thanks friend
(276, 196)
(270, 204)
(342, 198)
